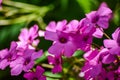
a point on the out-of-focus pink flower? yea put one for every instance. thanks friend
(28, 37)
(35, 75)
(7, 56)
(59, 26)
(0, 2)
(24, 62)
(100, 17)
(57, 62)
(114, 44)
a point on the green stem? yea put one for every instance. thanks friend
(47, 65)
(96, 45)
(21, 19)
(104, 33)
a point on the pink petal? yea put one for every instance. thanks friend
(29, 75)
(36, 55)
(3, 64)
(13, 46)
(91, 54)
(19, 60)
(91, 15)
(57, 69)
(103, 22)
(51, 26)
(24, 35)
(116, 33)
(115, 50)
(98, 33)
(3, 53)
(104, 11)
(108, 59)
(51, 36)
(33, 31)
(29, 66)
(69, 49)
(56, 49)
(73, 25)
(16, 70)
(39, 71)
(109, 43)
(61, 25)
(42, 78)
(51, 59)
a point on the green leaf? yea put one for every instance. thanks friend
(43, 58)
(78, 53)
(117, 17)
(85, 4)
(48, 78)
(50, 74)
(9, 33)
(64, 4)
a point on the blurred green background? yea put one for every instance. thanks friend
(17, 14)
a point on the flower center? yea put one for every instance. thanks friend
(63, 40)
(9, 57)
(95, 19)
(57, 61)
(35, 78)
(85, 38)
(27, 61)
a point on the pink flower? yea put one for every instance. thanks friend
(7, 56)
(113, 44)
(59, 26)
(64, 43)
(24, 62)
(35, 75)
(100, 17)
(28, 37)
(57, 62)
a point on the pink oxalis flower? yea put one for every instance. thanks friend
(35, 75)
(24, 62)
(57, 62)
(28, 37)
(113, 44)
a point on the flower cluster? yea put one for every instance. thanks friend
(100, 63)
(22, 54)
